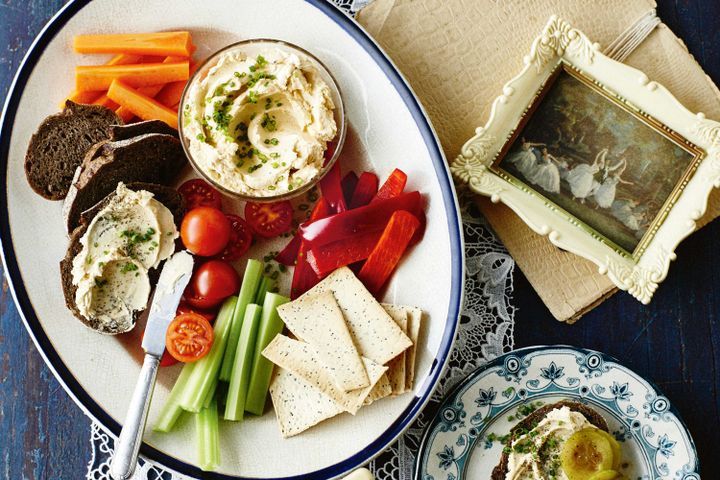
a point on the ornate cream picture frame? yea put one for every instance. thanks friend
(635, 267)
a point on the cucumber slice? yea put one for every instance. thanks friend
(617, 454)
(240, 378)
(606, 475)
(248, 292)
(270, 326)
(586, 453)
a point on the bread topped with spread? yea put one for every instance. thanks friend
(566, 440)
(113, 256)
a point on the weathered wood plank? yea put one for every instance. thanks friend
(43, 434)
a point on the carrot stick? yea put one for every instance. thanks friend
(90, 97)
(160, 43)
(81, 97)
(150, 91)
(89, 78)
(106, 102)
(141, 105)
(171, 93)
(125, 114)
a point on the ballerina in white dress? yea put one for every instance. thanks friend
(547, 175)
(581, 178)
(525, 160)
(626, 211)
(605, 194)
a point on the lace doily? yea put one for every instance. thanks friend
(486, 331)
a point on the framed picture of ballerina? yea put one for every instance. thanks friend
(591, 155)
(595, 155)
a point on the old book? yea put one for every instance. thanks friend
(457, 54)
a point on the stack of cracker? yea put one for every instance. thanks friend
(348, 351)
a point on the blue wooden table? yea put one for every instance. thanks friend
(675, 341)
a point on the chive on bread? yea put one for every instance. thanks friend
(168, 196)
(531, 421)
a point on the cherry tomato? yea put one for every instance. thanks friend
(205, 231)
(199, 193)
(189, 337)
(166, 360)
(269, 219)
(240, 239)
(185, 308)
(212, 283)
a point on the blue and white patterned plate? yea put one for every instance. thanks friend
(460, 442)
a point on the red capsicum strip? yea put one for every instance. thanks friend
(338, 254)
(304, 277)
(348, 184)
(393, 186)
(288, 254)
(370, 218)
(388, 251)
(332, 190)
(365, 190)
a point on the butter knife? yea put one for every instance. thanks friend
(174, 278)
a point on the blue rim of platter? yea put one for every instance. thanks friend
(73, 387)
(509, 369)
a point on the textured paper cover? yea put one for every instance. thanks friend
(457, 54)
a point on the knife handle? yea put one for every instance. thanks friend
(128, 445)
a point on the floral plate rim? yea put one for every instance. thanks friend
(513, 366)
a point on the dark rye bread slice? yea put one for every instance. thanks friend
(125, 132)
(529, 422)
(59, 145)
(166, 195)
(151, 158)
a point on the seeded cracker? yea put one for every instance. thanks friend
(376, 336)
(298, 406)
(301, 359)
(414, 320)
(396, 367)
(317, 320)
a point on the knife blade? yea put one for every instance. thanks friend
(174, 277)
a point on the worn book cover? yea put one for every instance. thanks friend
(457, 55)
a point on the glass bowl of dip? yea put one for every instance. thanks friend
(256, 120)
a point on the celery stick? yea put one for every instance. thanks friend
(208, 437)
(262, 290)
(206, 369)
(171, 410)
(240, 378)
(270, 326)
(211, 393)
(248, 291)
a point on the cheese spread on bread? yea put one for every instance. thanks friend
(535, 455)
(132, 234)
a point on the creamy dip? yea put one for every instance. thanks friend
(536, 454)
(259, 125)
(130, 235)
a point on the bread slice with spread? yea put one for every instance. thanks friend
(113, 256)
(566, 440)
